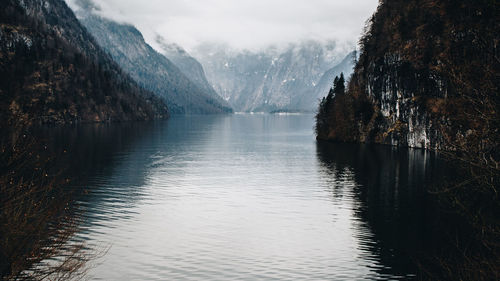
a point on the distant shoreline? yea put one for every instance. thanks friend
(277, 112)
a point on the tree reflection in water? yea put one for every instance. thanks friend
(39, 216)
(416, 229)
(37, 219)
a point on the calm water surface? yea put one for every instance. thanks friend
(247, 197)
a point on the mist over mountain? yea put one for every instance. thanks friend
(150, 69)
(290, 77)
(242, 24)
(274, 79)
(53, 71)
(189, 66)
(346, 66)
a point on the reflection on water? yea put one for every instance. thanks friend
(248, 197)
(391, 190)
(38, 219)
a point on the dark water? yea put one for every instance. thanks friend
(249, 197)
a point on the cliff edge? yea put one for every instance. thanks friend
(427, 77)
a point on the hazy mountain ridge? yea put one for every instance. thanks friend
(52, 70)
(189, 66)
(150, 69)
(272, 79)
(346, 66)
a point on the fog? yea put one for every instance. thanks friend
(242, 24)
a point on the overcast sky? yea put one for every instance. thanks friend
(242, 23)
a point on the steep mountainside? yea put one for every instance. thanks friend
(271, 79)
(428, 76)
(150, 69)
(51, 70)
(189, 66)
(346, 66)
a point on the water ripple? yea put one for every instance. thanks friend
(228, 198)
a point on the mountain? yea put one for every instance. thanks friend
(427, 77)
(150, 69)
(190, 67)
(53, 71)
(346, 66)
(271, 79)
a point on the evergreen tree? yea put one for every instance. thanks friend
(339, 85)
(325, 106)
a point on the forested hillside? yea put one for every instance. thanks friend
(428, 77)
(52, 71)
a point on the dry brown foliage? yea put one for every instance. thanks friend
(37, 218)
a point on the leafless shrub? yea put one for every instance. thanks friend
(37, 217)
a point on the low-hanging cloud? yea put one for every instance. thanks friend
(241, 24)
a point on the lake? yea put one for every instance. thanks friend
(248, 197)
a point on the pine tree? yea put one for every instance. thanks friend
(339, 85)
(325, 106)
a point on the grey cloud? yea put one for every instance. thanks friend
(240, 23)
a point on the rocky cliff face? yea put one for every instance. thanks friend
(150, 69)
(427, 77)
(403, 98)
(272, 79)
(52, 70)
